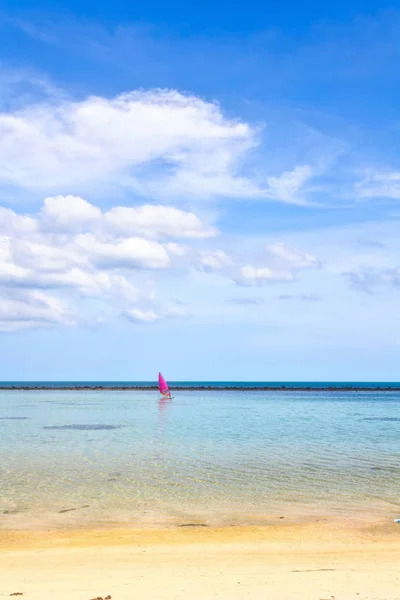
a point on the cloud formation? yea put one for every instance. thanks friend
(250, 275)
(74, 214)
(73, 248)
(213, 260)
(72, 262)
(159, 144)
(33, 309)
(283, 254)
(281, 264)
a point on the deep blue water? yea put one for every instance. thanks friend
(214, 456)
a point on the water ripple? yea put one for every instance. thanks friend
(219, 455)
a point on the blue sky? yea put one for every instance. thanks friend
(207, 189)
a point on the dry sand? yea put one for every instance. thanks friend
(303, 562)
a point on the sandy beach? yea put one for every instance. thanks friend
(320, 560)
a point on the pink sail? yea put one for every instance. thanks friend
(163, 387)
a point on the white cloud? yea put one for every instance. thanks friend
(100, 140)
(250, 275)
(279, 263)
(53, 263)
(287, 186)
(297, 259)
(97, 265)
(130, 253)
(213, 260)
(49, 254)
(70, 247)
(33, 308)
(176, 249)
(88, 283)
(157, 143)
(73, 214)
(12, 223)
(156, 221)
(90, 258)
(137, 315)
(68, 213)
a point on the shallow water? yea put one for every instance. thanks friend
(75, 458)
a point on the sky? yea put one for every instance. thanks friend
(207, 189)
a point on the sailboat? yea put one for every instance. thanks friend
(163, 387)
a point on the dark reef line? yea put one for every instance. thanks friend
(122, 388)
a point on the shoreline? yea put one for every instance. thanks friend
(316, 532)
(138, 388)
(85, 515)
(112, 529)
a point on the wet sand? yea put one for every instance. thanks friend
(321, 560)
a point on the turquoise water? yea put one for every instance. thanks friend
(218, 457)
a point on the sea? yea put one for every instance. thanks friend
(110, 458)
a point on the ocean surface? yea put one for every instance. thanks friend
(105, 458)
(204, 384)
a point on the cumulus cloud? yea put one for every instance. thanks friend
(71, 235)
(51, 264)
(11, 223)
(156, 143)
(101, 139)
(68, 213)
(76, 250)
(130, 253)
(73, 214)
(157, 221)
